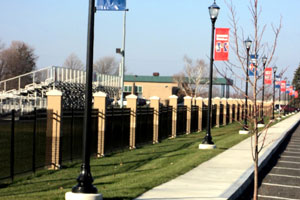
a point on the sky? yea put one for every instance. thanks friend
(159, 32)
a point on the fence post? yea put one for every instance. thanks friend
(132, 104)
(34, 140)
(100, 104)
(224, 102)
(199, 103)
(12, 146)
(188, 104)
(217, 101)
(173, 103)
(53, 134)
(154, 103)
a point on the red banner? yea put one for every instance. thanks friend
(222, 44)
(268, 76)
(296, 94)
(291, 90)
(282, 86)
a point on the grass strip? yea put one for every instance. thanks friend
(127, 174)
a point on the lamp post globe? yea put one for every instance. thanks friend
(248, 43)
(264, 60)
(245, 130)
(207, 142)
(214, 11)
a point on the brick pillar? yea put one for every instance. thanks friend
(230, 102)
(188, 104)
(173, 103)
(236, 110)
(100, 104)
(132, 104)
(217, 101)
(224, 102)
(199, 103)
(154, 103)
(53, 134)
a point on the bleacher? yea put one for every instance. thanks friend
(24, 92)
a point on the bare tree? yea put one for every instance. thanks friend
(73, 62)
(106, 65)
(240, 65)
(193, 79)
(17, 59)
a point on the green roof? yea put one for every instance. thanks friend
(169, 79)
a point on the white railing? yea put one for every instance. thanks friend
(19, 92)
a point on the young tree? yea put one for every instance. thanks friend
(193, 79)
(106, 65)
(73, 62)
(238, 68)
(17, 59)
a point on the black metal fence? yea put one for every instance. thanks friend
(22, 141)
(181, 120)
(194, 118)
(72, 134)
(117, 129)
(221, 114)
(144, 125)
(238, 112)
(214, 116)
(227, 113)
(165, 122)
(204, 116)
(233, 112)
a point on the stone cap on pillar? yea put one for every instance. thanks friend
(187, 97)
(54, 93)
(154, 98)
(173, 97)
(223, 100)
(131, 96)
(100, 94)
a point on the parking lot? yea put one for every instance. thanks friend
(283, 180)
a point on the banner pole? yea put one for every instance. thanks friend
(123, 59)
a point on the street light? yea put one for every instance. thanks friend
(85, 188)
(279, 107)
(261, 123)
(248, 43)
(207, 141)
(274, 72)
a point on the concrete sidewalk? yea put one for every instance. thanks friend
(224, 176)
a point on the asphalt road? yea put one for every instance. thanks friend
(283, 180)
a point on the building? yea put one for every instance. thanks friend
(162, 86)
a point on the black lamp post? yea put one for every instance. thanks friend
(279, 107)
(248, 43)
(85, 178)
(274, 72)
(264, 60)
(213, 12)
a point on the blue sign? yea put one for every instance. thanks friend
(111, 5)
(252, 64)
(287, 88)
(277, 81)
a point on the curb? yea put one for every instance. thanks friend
(239, 187)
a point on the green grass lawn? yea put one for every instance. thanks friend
(127, 174)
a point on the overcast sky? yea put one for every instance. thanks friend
(159, 32)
